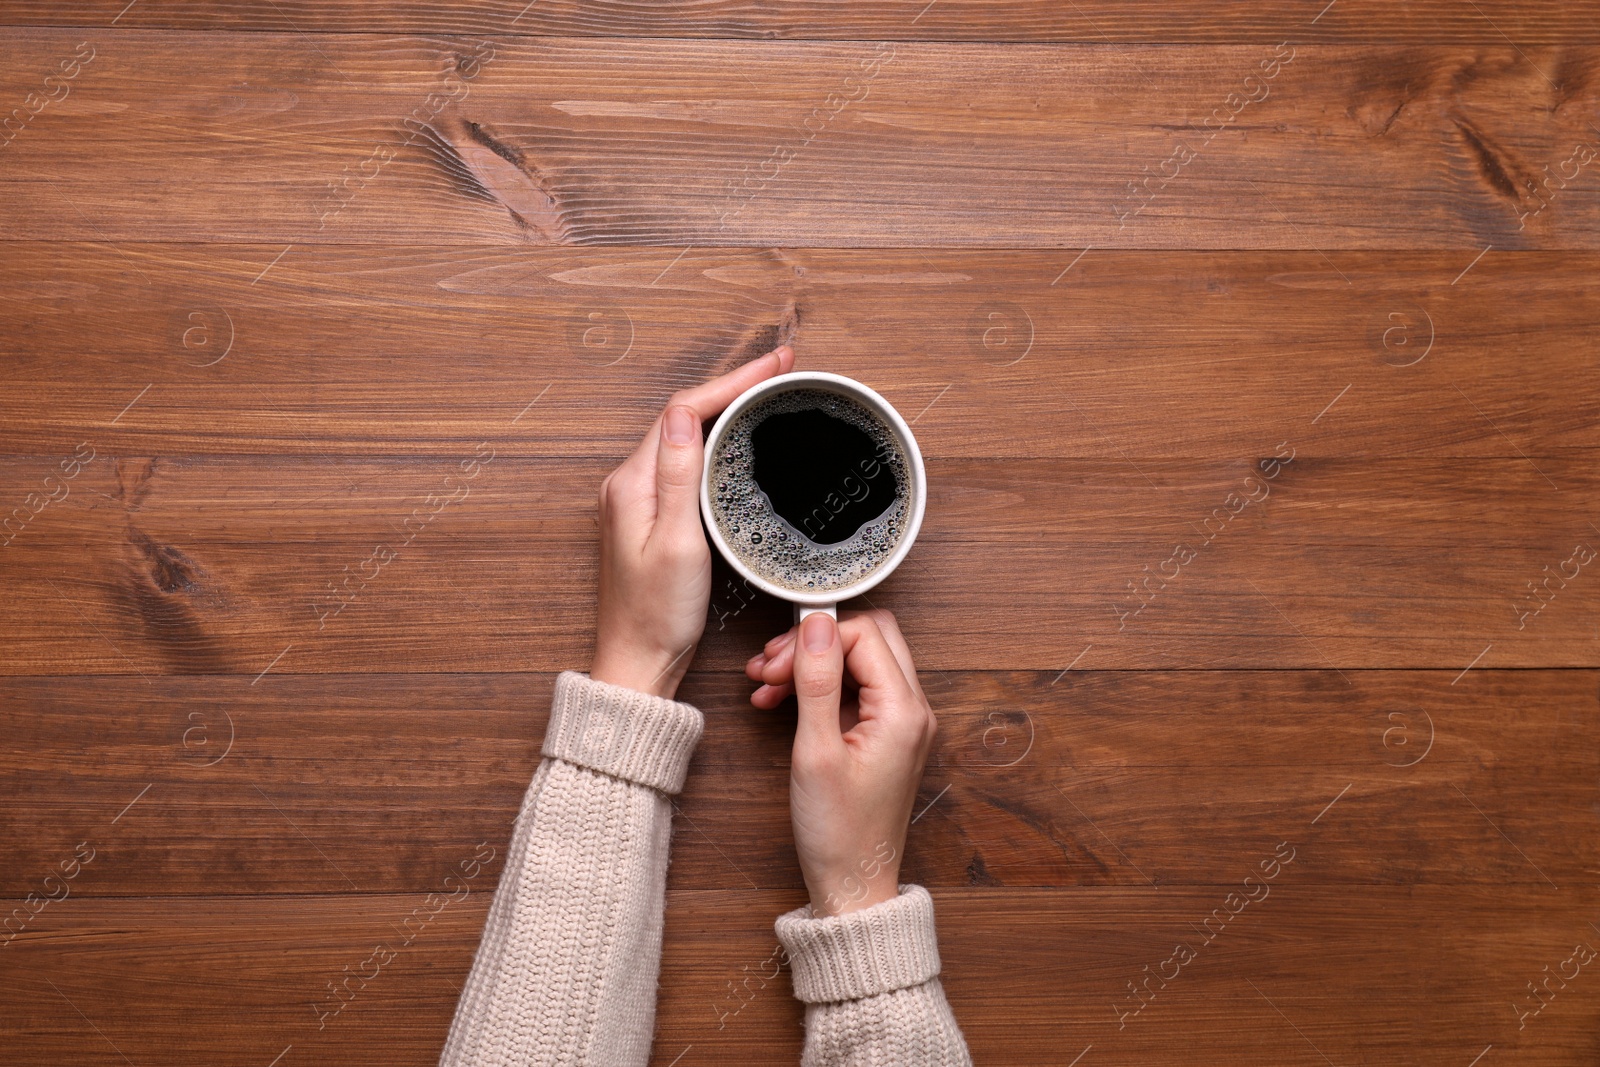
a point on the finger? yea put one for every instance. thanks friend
(770, 696)
(871, 662)
(709, 399)
(756, 669)
(776, 662)
(780, 667)
(890, 627)
(678, 459)
(818, 685)
(768, 651)
(779, 670)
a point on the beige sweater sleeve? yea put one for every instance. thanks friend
(869, 980)
(567, 969)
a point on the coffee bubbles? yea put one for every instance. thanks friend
(810, 489)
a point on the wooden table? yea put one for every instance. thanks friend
(1252, 349)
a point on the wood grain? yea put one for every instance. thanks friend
(1490, 22)
(1126, 356)
(1341, 565)
(1405, 504)
(292, 273)
(102, 978)
(380, 784)
(559, 141)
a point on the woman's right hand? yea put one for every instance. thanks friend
(862, 739)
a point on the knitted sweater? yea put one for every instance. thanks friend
(567, 969)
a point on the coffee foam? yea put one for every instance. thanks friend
(772, 547)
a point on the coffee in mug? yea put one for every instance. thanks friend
(810, 489)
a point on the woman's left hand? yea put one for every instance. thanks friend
(655, 565)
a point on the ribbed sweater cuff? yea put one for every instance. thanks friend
(889, 946)
(622, 732)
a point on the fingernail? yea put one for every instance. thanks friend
(817, 632)
(678, 425)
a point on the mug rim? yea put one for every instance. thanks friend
(855, 390)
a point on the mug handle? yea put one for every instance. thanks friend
(802, 610)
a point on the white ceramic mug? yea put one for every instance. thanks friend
(827, 600)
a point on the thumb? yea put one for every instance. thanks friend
(818, 682)
(678, 460)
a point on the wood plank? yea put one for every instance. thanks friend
(1348, 973)
(1127, 356)
(559, 141)
(1405, 504)
(1339, 567)
(378, 784)
(1492, 22)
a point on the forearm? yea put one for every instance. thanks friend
(567, 968)
(870, 982)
